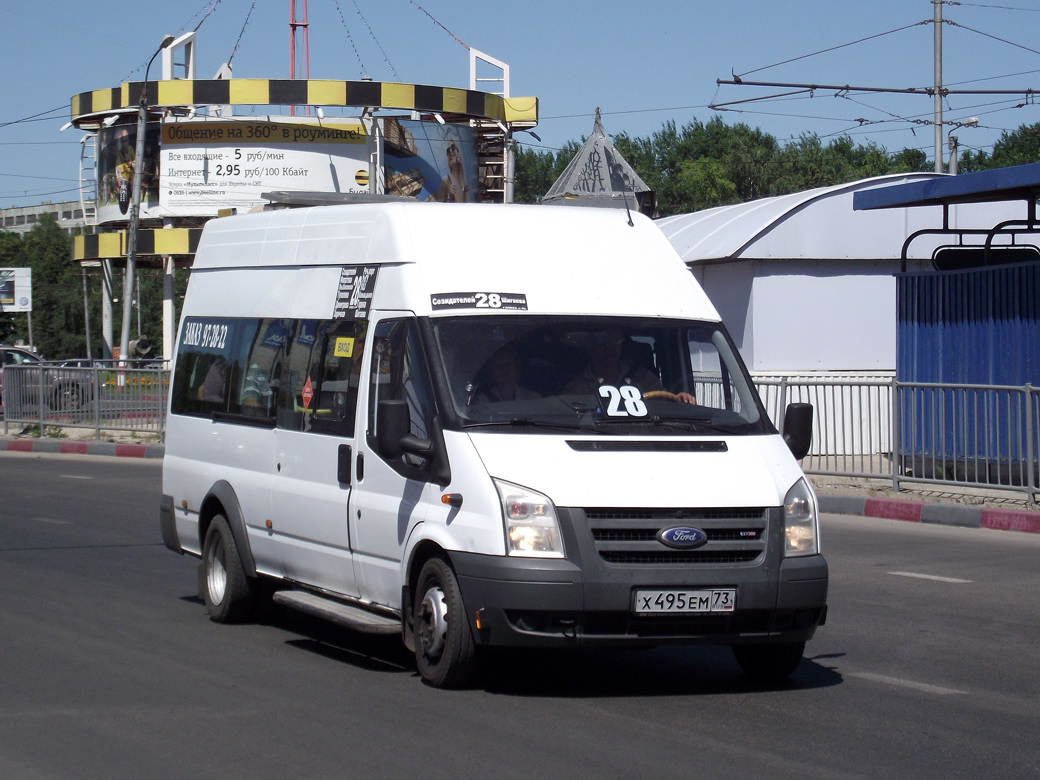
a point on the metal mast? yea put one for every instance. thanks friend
(293, 24)
(938, 86)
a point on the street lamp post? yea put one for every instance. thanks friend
(135, 207)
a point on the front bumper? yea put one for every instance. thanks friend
(586, 600)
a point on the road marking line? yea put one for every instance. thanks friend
(75, 476)
(929, 577)
(52, 522)
(917, 686)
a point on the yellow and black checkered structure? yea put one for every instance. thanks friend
(150, 243)
(314, 92)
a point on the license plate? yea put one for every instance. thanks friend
(685, 601)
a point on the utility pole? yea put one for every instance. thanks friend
(938, 86)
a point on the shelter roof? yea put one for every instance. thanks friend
(1019, 182)
(817, 223)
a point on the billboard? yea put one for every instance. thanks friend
(213, 164)
(15, 289)
(429, 161)
(116, 150)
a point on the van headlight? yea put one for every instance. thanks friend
(532, 528)
(801, 521)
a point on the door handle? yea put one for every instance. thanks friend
(343, 464)
(360, 466)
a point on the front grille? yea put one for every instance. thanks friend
(629, 536)
(679, 556)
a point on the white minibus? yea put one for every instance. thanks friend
(482, 425)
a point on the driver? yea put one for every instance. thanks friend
(501, 379)
(605, 367)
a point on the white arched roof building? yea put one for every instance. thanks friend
(807, 285)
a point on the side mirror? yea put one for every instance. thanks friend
(393, 431)
(393, 423)
(798, 429)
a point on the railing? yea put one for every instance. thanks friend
(967, 435)
(105, 397)
(981, 436)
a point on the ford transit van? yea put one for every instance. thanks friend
(482, 425)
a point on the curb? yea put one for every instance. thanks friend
(83, 448)
(937, 514)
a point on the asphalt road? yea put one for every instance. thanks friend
(110, 668)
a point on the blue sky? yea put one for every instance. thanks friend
(642, 63)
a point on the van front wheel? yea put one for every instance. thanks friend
(444, 649)
(768, 663)
(229, 598)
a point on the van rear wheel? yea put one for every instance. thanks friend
(768, 663)
(444, 649)
(226, 589)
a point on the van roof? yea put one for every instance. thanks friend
(588, 260)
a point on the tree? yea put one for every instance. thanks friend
(704, 184)
(10, 257)
(58, 326)
(1019, 147)
(700, 165)
(537, 171)
(910, 161)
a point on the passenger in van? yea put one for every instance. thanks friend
(499, 379)
(256, 389)
(213, 386)
(605, 367)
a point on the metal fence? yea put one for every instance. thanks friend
(104, 396)
(944, 434)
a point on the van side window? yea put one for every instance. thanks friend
(296, 384)
(204, 365)
(342, 347)
(261, 344)
(400, 372)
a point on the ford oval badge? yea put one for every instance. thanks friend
(682, 537)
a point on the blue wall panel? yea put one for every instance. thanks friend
(978, 326)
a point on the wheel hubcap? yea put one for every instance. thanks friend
(216, 574)
(433, 622)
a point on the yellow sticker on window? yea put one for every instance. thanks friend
(344, 347)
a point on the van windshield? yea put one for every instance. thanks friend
(613, 375)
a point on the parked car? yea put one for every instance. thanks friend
(65, 386)
(14, 356)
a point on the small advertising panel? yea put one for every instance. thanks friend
(116, 150)
(15, 289)
(209, 165)
(430, 161)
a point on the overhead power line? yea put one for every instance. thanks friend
(372, 32)
(993, 37)
(434, 20)
(832, 48)
(1000, 7)
(40, 117)
(350, 38)
(892, 90)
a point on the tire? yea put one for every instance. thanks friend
(228, 593)
(68, 398)
(444, 648)
(769, 663)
